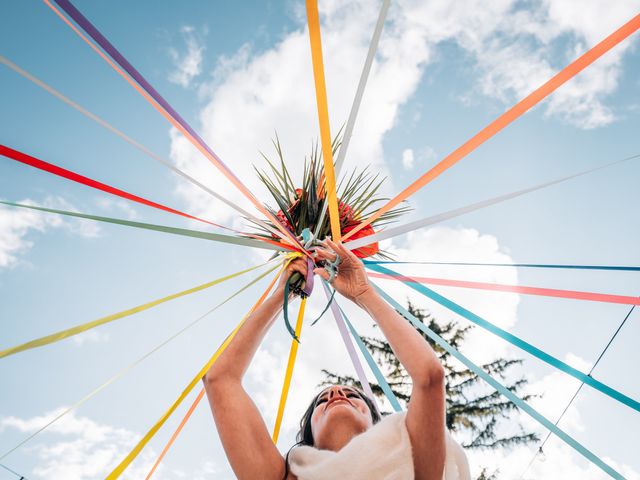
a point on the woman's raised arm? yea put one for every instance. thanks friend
(242, 430)
(426, 411)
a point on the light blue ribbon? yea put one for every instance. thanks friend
(502, 389)
(512, 339)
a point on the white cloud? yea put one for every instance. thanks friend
(255, 95)
(446, 244)
(79, 448)
(189, 64)
(514, 47)
(407, 159)
(17, 223)
(529, 46)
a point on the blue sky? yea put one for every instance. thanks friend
(442, 73)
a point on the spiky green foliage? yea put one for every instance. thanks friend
(472, 408)
(300, 207)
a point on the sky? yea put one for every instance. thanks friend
(240, 73)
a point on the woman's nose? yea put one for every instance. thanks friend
(336, 391)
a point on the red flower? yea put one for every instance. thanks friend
(367, 250)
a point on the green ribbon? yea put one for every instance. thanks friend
(216, 237)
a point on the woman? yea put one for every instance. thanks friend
(338, 429)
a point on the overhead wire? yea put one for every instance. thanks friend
(539, 450)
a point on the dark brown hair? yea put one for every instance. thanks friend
(305, 435)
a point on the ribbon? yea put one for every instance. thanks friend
(315, 40)
(357, 100)
(339, 317)
(521, 265)
(515, 341)
(216, 237)
(382, 382)
(160, 104)
(75, 177)
(509, 116)
(149, 435)
(183, 422)
(293, 352)
(524, 406)
(425, 222)
(193, 406)
(126, 138)
(69, 332)
(131, 366)
(497, 287)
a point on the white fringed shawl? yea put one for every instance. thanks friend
(381, 453)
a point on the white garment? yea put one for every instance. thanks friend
(383, 452)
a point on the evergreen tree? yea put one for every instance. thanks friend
(473, 408)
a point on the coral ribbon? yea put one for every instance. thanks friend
(131, 366)
(498, 287)
(509, 116)
(154, 429)
(514, 340)
(185, 419)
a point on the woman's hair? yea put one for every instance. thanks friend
(305, 435)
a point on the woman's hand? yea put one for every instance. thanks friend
(298, 265)
(351, 280)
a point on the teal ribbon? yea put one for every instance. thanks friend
(216, 237)
(512, 339)
(285, 310)
(373, 365)
(568, 439)
(622, 268)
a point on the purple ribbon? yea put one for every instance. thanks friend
(100, 39)
(308, 281)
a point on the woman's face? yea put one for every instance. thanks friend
(339, 405)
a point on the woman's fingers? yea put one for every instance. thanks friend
(325, 254)
(322, 272)
(299, 265)
(340, 249)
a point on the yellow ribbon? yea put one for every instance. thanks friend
(293, 352)
(62, 334)
(313, 21)
(149, 435)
